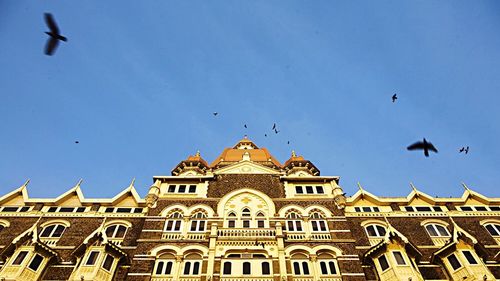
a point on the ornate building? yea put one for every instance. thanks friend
(247, 217)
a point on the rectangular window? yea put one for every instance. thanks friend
(192, 189)
(10, 209)
(437, 209)
(470, 257)
(52, 209)
(399, 258)
(231, 224)
(124, 210)
(319, 189)
(290, 226)
(455, 264)
(182, 188)
(171, 188)
(266, 270)
(298, 189)
(227, 268)
(466, 209)
(495, 208)
(260, 223)
(35, 262)
(109, 210)
(187, 268)
(382, 260)
(66, 210)
(24, 209)
(376, 209)
(309, 189)
(323, 267)
(108, 262)
(196, 268)
(367, 209)
(138, 210)
(481, 208)
(357, 209)
(423, 209)
(92, 258)
(80, 209)
(296, 268)
(246, 224)
(20, 258)
(314, 225)
(246, 268)
(408, 209)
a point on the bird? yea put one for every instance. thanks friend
(394, 98)
(464, 149)
(276, 131)
(288, 142)
(245, 126)
(54, 34)
(274, 126)
(423, 145)
(215, 113)
(77, 142)
(265, 135)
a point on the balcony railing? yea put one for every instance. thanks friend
(180, 236)
(330, 279)
(50, 241)
(440, 241)
(244, 233)
(303, 278)
(304, 237)
(247, 278)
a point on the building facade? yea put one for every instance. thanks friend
(247, 217)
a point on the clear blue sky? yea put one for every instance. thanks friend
(138, 81)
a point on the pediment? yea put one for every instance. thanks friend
(246, 167)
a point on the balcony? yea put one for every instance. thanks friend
(440, 241)
(50, 241)
(291, 236)
(245, 233)
(330, 279)
(303, 278)
(180, 236)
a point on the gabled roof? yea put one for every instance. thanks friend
(20, 191)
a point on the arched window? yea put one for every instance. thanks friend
(300, 264)
(164, 265)
(261, 220)
(52, 231)
(192, 265)
(227, 268)
(266, 269)
(375, 230)
(116, 231)
(246, 268)
(436, 230)
(174, 222)
(231, 220)
(493, 229)
(294, 222)
(198, 222)
(328, 264)
(246, 217)
(318, 223)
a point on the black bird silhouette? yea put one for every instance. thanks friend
(394, 98)
(215, 113)
(265, 135)
(276, 131)
(288, 142)
(274, 126)
(423, 145)
(77, 142)
(54, 34)
(245, 125)
(464, 149)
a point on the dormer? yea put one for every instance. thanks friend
(192, 166)
(297, 166)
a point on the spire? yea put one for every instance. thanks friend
(465, 186)
(293, 153)
(25, 184)
(79, 183)
(132, 183)
(360, 187)
(413, 187)
(198, 153)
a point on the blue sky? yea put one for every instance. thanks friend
(137, 83)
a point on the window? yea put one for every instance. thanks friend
(192, 268)
(437, 230)
(246, 268)
(319, 189)
(164, 268)
(174, 222)
(366, 209)
(245, 213)
(116, 231)
(423, 209)
(92, 258)
(35, 262)
(470, 257)
(298, 189)
(382, 260)
(20, 258)
(480, 208)
(318, 223)
(309, 189)
(375, 230)
(246, 224)
(108, 262)
(231, 223)
(400, 260)
(493, 229)
(198, 222)
(14, 209)
(296, 268)
(192, 188)
(294, 222)
(305, 268)
(182, 188)
(171, 188)
(328, 268)
(301, 268)
(53, 231)
(66, 209)
(123, 210)
(452, 259)
(260, 220)
(266, 270)
(227, 268)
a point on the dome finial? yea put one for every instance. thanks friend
(293, 153)
(197, 153)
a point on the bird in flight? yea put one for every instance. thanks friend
(276, 131)
(245, 126)
(274, 126)
(288, 142)
(423, 145)
(77, 142)
(55, 36)
(394, 98)
(464, 149)
(215, 113)
(265, 135)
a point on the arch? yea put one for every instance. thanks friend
(298, 248)
(289, 208)
(262, 196)
(119, 221)
(165, 249)
(373, 221)
(56, 221)
(167, 210)
(208, 210)
(191, 249)
(226, 252)
(327, 249)
(326, 213)
(4, 223)
(436, 221)
(488, 221)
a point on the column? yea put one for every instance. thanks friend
(315, 266)
(211, 251)
(281, 251)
